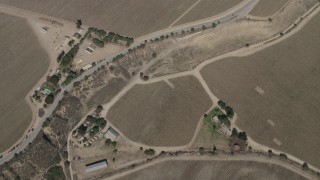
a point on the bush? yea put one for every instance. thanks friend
(229, 112)
(49, 99)
(284, 156)
(79, 23)
(55, 172)
(149, 151)
(305, 166)
(54, 79)
(98, 42)
(70, 43)
(243, 136)
(60, 56)
(154, 55)
(214, 25)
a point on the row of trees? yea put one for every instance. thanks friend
(228, 109)
(240, 135)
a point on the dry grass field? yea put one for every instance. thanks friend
(190, 51)
(276, 92)
(23, 62)
(105, 94)
(267, 7)
(159, 115)
(131, 18)
(184, 169)
(207, 8)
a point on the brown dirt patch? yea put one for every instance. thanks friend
(159, 115)
(23, 63)
(267, 7)
(185, 169)
(131, 18)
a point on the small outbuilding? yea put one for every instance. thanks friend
(111, 134)
(96, 165)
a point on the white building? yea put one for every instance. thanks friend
(111, 134)
(88, 66)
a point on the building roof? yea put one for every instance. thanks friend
(96, 165)
(112, 134)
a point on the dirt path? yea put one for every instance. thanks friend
(196, 72)
(236, 157)
(184, 13)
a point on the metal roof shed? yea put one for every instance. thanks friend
(96, 165)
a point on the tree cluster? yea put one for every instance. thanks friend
(98, 42)
(68, 58)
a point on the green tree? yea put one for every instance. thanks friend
(79, 23)
(49, 99)
(243, 136)
(222, 104)
(54, 79)
(305, 166)
(214, 25)
(229, 112)
(154, 55)
(98, 43)
(234, 132)
(108, 142)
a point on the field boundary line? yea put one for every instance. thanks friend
(186, 12)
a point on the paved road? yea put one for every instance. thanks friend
(224, 18)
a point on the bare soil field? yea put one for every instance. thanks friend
(190, 51)
(131, 18)
(23, 63)
(267, 8)
(105, 94)
(280, 85)
(207, 8)
(190, 169)
(160, 115)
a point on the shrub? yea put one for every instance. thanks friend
(214, 25)
(54, 79)
(222, 104)
(234, 132)
(79, 23)
(305, 166)
(98, 42)
(284, 156)
(154, 55)
(243, 136)
(149, 151)
(229, 112)
(70, 43)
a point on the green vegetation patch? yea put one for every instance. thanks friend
(55, 173)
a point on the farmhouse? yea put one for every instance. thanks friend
(96, 165)
(112, 134)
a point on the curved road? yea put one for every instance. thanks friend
(237, 12)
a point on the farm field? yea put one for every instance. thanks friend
(275, 92)
(206, 169)
(133, 18)
(105, 94)
(23, 63)
(207, 8)
(160, 115)
(267, 8)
